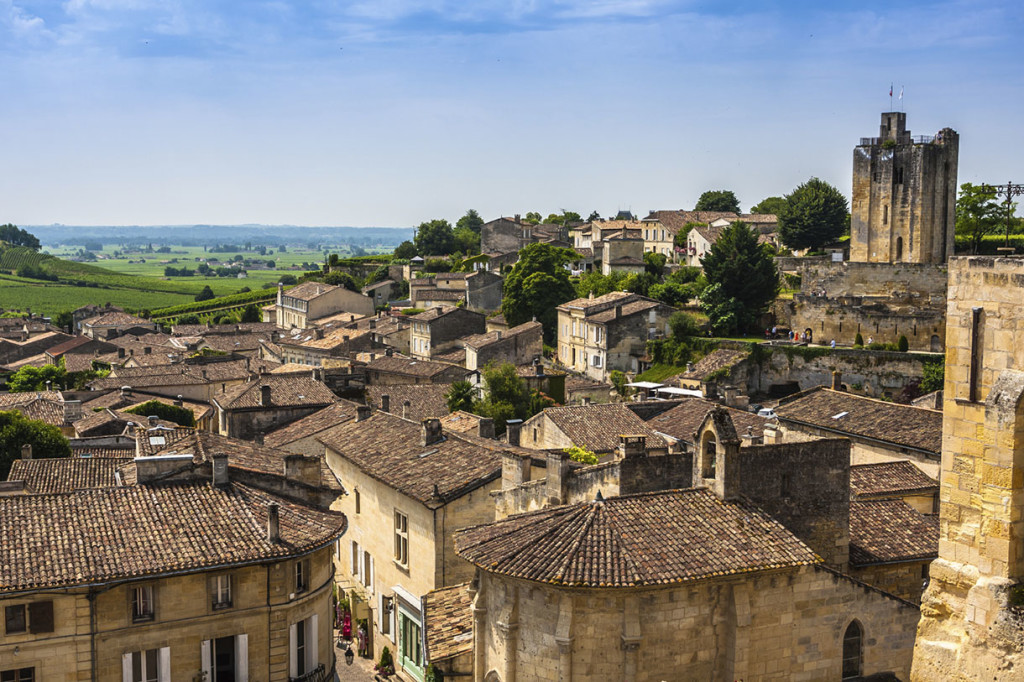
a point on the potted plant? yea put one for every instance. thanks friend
(386, 665)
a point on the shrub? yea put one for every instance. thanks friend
(582, 455)
(858, 341)
(902, 344)
(171, 413)
(386, 665)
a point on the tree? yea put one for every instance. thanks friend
(506, 395)
(581, 455)
(722, 200)
(742, 279)
(434, 238)
(30, 378)
(341, 279)
(532, 218)
(769, 205)
(17, 430)
(16, 237)
(654, 264)
(181, 416)
(594, 215)
(536, 285)
(977, 213)
(460, 396)
(206, 294)
(251, 314)
(405, 250)
(563, 218)
(934, 376)
(63, 320)
(470, 221)
(815, 214)
(287, 280)
(466, 241)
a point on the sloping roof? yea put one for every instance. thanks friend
(683, 420)
(883, 531)
(115, 319)
(720, 358)
(426, 401)
(39, 406)
(628, 308)
(461, 421)
(842, 412)
(390, 449)
(648, 539)
(319, 421)
(286, 390)
(448, 622)
(102, 534)
(307, 291)
(407, 366)
(676, 220)
(482, 340)
(598, 427)
(898, 477)
(607, 300)
(63, 474)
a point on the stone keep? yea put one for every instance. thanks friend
(972, 624)
(904, 194)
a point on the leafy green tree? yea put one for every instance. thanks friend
(16, 430)
(680, 239)
(405, 250)
(466, 241)
(63, 320)
(30, 378)
(563, 218)
(378, 275)
(619, 381)
(251, 314)
(435, 238)
(718, 200)
(206, 294)
(769, 205)
(506, 396)
(977, 213)
(471, 221)
(654, 264)
(532, 218)
(341, 279)
(460, 396)
(179, 415)
(536, 285)
(594, 215)
(934, 376)
(742, 279)
(815, 214)
(683, 325)
(17, 237)
(287, 280)
(902, 344)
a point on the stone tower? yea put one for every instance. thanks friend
(972, 614)
(904, 193)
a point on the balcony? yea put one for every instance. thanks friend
(317, 674)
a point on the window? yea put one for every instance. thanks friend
(14, 619)
(302, 649)
(142, 603)
(18, 675)
(358, 502)
(596, 360)
(355, 558)
(852, 651)
(221, 588)
(597, 335)
(974, 376)
(710, 454)
(401, 539)
(148, 665)
(367, 570)
(302, 575)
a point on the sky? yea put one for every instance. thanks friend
(393, 112)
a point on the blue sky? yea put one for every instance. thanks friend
(397, 111)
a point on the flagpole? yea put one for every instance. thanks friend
(890, 97)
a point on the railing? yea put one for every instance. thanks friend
(317, 674)
(878, 141)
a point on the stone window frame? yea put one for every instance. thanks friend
(11, 616)
(27, 674)
(142, 603)
(859, 663)
(401, 539)
(301, 575)
(221, 591)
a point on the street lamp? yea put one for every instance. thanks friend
(349, 655)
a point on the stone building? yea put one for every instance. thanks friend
(254, 408)
(441, 329)
(301, 305)
(385, 370)
(971, 620)
(112, 324)
(480, 290)
(904, 194)
(593, 427)
(519, 345)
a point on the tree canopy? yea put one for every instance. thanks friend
(206, 294)
(435, 238)
(977, 213)
(30, 378)
(341, 279)
(182, 416)
(769, 205)
(563, 218)
(723, 200)
(815, 214)
(17, 430)
(405, 250)
(742, 280)
(536, 285)
(460, 396)
(17, 237)
(470, 221)
(532, 217)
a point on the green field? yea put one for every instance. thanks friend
(50, 298)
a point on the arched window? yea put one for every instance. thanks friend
(710, 453)
(852, 644)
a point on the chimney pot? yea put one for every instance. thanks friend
(512, 428)
(632, 447)
(179, 402)
(26, 451)
(273, 522)
(385, 403)
(432, 431)
(265, 396)
(152, 419)
(220, 469)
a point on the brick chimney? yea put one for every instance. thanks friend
(385, 403)
(273, 522)
(220, 469)
(362, 413)
(557, 477)
(512, 428)
(264, 396)
(432, 432)
(632, 447)
(485, 428)
(837, 380)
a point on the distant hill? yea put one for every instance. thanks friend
(208, 235)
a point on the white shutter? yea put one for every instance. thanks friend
(370, 586)
(293, 664)
(311, 645)
(163, 664)
(242, 658)
(126, 667)
(361, 574)
(205, 657)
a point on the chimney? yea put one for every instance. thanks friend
(498, 332)
(273, 522)
(689, 367)
(120, 353)
(152, 419)
(432, 432)
(72, 411)
(515, 470)
(538, 368)
(178, 402)
(517, 217)
(485, 428)
(147, 350)
(318, 333)
(26, 451)
(389, 352)
(406, 409)
(584, 400)
(131, 352)
(373, 324)
(618, 311)
(512, 428)
(220, 469)
(837, 380)
(126, 391)
(772, 433)
(385, 403)
(202, 373)
(362, 413)
(264, 396)
(557, 477)
(632, 447)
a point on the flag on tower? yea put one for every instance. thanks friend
(901, 92)
(890, 91)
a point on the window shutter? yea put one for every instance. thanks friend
(206, 657)
(242, 658)
(164, 664)
(312, 648)
(40, 616)
(126, 667)
(293, 664)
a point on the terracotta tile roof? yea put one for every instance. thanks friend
(315, 423)
(115, 320)
(648, 539)
(456, 356)
(720, 358)
(575, 382)
(389, 449)
(883, 531)
(628, 308)
(844, 413)
(435, 294)
(206, 329)
(676, 220)
(682, 421)
(101, 451)
(71, 344)
(407, 366)
(307, 291)
(44, 406)
(426, 401)
(448, 622)
(483, 340)
(598, 427)
(286, 390)
(102, 534)
(609, 300)
(461, 421)
(898, 477)
(435, 312)
(65, 474)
